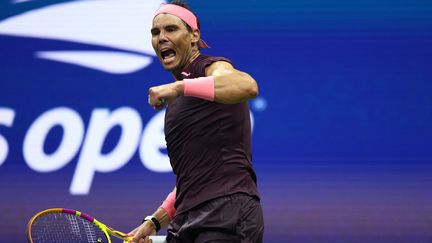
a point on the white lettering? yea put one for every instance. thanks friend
(153, 140)
(73, 132)
(92, 160)
(7, 117)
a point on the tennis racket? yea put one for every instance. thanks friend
(60, 225)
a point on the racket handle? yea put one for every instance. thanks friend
(127, 239)
(158, 239)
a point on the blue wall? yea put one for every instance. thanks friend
(342, 125)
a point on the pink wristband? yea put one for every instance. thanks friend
(200, 87)
(168, 204)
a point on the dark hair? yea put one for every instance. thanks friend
(183, 3)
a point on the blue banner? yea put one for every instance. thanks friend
(342, 127)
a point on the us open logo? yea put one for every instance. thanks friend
(121, 29)
(120, 26)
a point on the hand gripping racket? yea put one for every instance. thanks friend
(60, 225)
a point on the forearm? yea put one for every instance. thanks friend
(166, 210)
(162, 216)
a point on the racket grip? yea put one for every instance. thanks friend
(158, 239)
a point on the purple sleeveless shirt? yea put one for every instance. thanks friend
(209, 145)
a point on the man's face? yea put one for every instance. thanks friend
(172, 42)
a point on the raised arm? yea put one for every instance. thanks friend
(223, 83)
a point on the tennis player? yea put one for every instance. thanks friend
(208, 135)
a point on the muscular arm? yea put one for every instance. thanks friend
(231, 85)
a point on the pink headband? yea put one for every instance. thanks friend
(187, 16)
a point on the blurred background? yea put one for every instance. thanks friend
(342, 134)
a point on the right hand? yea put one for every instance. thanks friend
(160, 96)
(140, 234)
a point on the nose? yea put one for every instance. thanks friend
(162, 37)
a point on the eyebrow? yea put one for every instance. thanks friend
(165, 27)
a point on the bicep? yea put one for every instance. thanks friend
(222, 68)
(219, 68)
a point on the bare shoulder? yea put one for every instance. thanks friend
(218, 68)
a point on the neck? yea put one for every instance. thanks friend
(177, 73)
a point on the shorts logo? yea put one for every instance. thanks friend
(118, 30)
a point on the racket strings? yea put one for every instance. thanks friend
(74, 224)
(65, 228)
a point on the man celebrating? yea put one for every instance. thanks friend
(208, 135)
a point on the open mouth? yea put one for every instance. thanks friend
(168, 54)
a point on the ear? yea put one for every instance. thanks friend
(195, 36)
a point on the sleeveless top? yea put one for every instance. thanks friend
(209, 145)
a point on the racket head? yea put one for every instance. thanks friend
(58, 225)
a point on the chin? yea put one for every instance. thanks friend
(171, 67)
